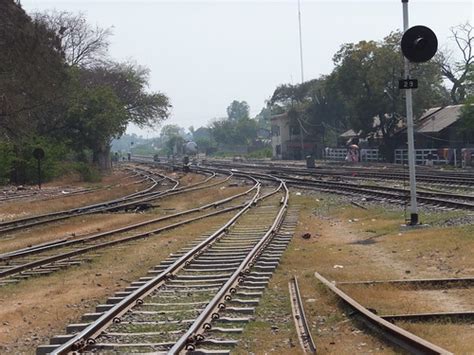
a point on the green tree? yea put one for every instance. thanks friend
(229, 132)
(315, 106)
(366, 75)
(466, 122)
(32, 74)
(95, 117)
(238, 110)
(172, 138)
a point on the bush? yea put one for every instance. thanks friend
(6, 162)
(18, 165)
(261, 153)
(87, 172)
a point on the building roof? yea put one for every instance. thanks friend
(437, 119)
(349, 134)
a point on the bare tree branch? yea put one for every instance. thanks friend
(457, 72)
(82, 44)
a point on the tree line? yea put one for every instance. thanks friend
(59, 90)
(361, 92)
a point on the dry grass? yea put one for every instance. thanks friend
(83, 225)
(114, 188)
(39, 308)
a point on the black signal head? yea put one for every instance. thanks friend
(419, 44)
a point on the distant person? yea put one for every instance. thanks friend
(429, 160)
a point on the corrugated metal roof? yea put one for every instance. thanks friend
(349, 133)
(427, 113)
(439, 119)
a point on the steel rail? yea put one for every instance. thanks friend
(9, 196)
(194, 334)
(70, 254)
(339, 187)
(107, 206)
(87, 335)
(366, 190)
(62, 242)
(391, 332)
(59, 215)
(426, 194)
(432, 316)
(299, 317)
(429, 282)
(438, 176)
(65, 243)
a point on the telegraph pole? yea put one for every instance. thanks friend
(301, 42)
(410, 129)
(302, 78)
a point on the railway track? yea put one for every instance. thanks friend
(436, 199)
(392, 195)
(129, 202)
(389, 331)
(48, 257)
(200, 298)
(299, 317)
(433, 177)
(383, 193)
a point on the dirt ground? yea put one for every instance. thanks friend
(112, 186)
(349, 244)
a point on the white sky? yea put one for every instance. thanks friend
(204, 55)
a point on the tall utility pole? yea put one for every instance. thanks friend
(302, 77)
(301, 41)
(410, 129)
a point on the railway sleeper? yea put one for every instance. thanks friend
(90, 317)
(76, 327)
(118, 346)
(201, 266)
(204, 351)
(220, 342)
(204, 277)
(197, 286)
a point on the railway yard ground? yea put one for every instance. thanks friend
(226, 240)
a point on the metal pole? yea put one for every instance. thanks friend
(301, 41)
(39, 174)
(410, 126)
(302, 78)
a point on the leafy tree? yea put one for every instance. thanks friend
(32, 74)
(466, 123)
(315, 106)
(94, 117)
(129, 81)
(172, 137)
(238, 110)
(229, 132)
(366, 75)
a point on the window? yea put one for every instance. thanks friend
(278, 149)
(294, 129)
(275, 131)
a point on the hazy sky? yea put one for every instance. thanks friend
(203, 55)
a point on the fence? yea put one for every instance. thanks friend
(438, 156)
(366, 155)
